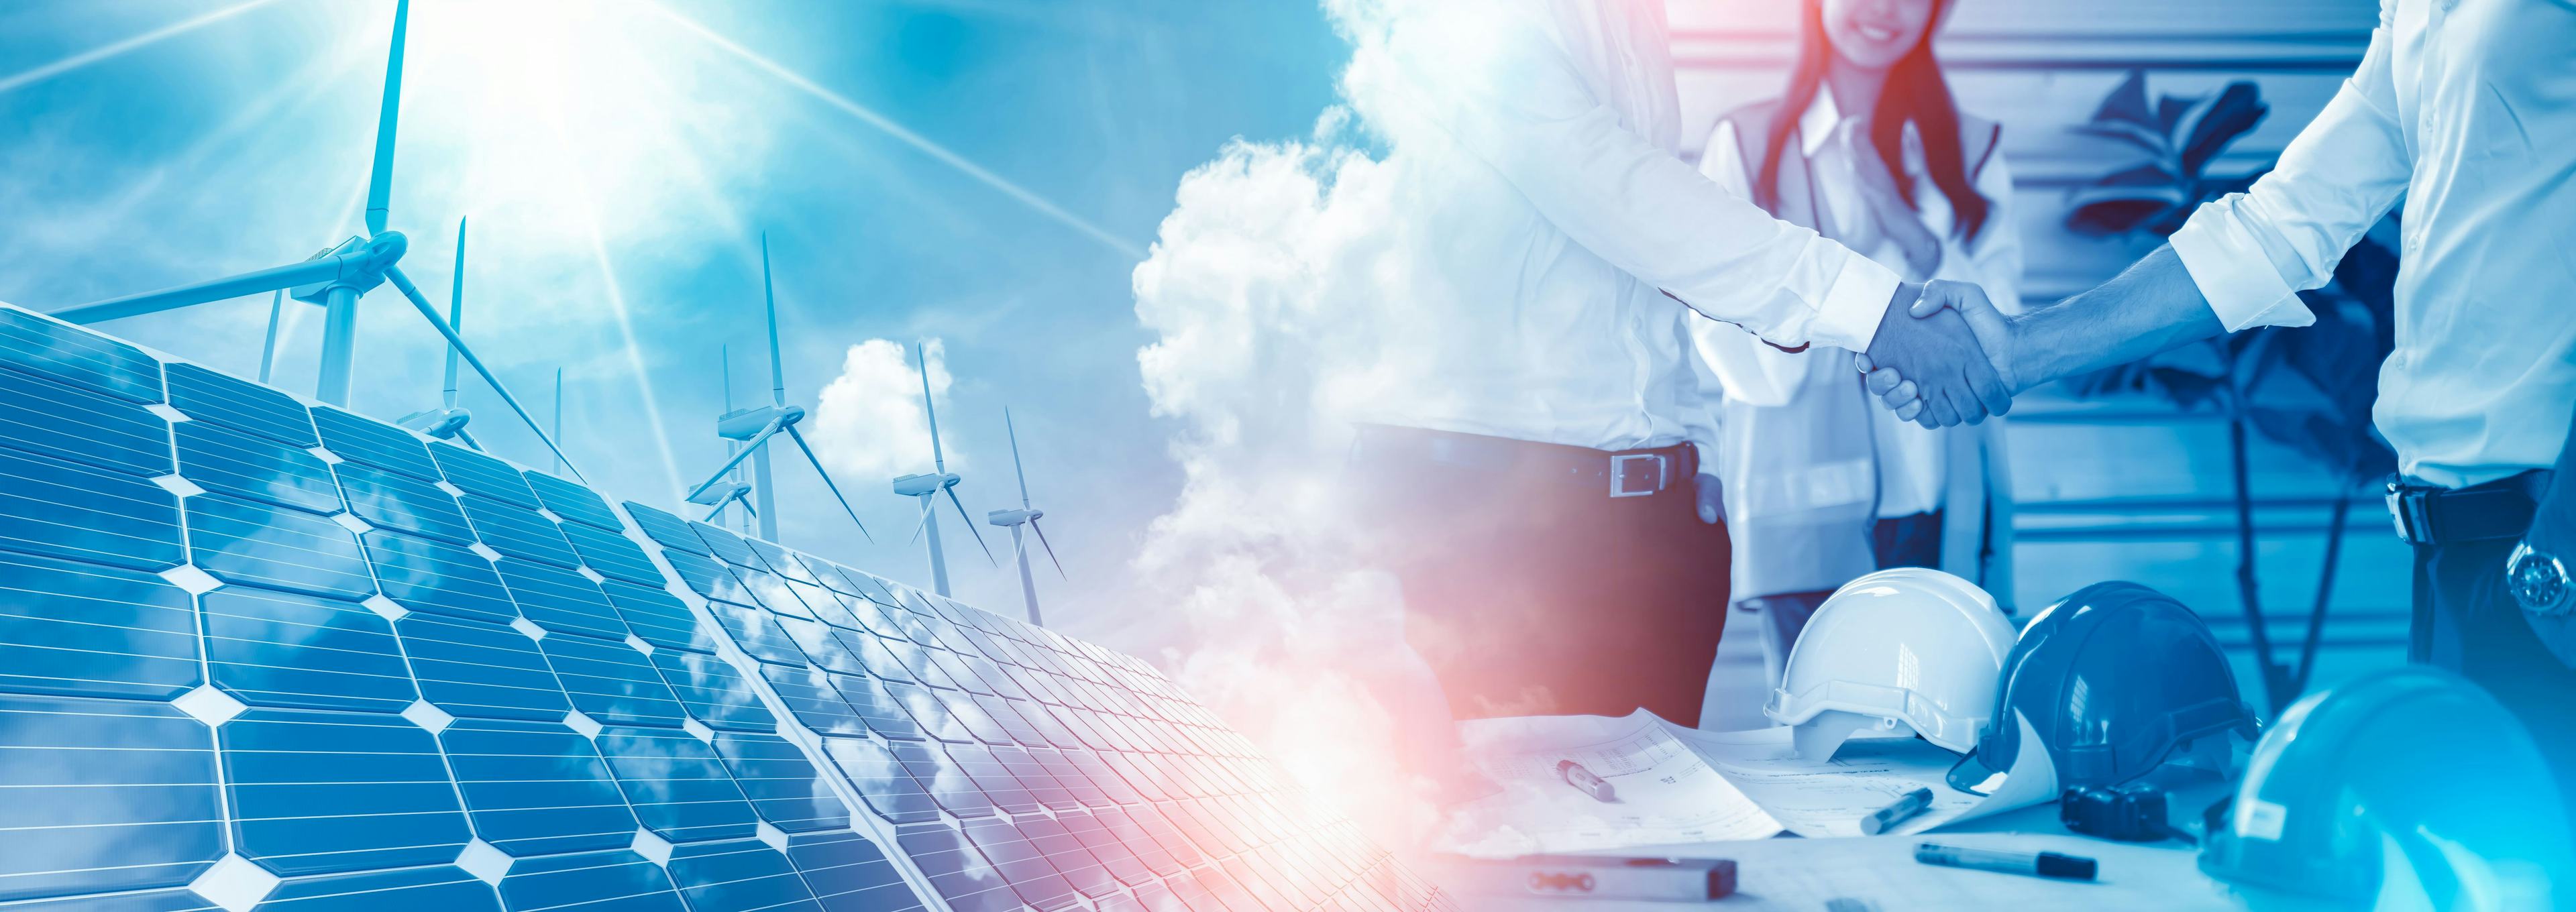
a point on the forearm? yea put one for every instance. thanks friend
(2148, 308)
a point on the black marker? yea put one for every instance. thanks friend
(2029, 864)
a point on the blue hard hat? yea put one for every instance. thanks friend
(2407, 781)
(2113, 679)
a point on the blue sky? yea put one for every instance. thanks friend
(623, 156)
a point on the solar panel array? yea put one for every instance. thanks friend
(256, 653)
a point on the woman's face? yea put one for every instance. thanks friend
(1873, 34)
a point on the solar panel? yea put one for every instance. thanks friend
(284, 657)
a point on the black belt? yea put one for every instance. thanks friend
(1617, 473)
(2499, 509)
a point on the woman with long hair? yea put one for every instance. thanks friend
(1868, 148)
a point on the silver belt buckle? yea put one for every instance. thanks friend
(1619, 474)
(2407, 513)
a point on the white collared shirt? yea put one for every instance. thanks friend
(2468, 108)
(1556, 212)
(1912, 466)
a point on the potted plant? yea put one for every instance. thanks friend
(2310, 390)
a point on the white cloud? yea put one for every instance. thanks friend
(868, 424)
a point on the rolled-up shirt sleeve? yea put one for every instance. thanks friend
(1504, 91)
(2251, 253)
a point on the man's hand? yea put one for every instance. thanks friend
(1932, 360)
(1712, 502)
(1898, 391)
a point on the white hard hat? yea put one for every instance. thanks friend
(1902, 649)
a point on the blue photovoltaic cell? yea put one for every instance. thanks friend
(84, 630)
(713, 691)
(611, 554)
(326, 792)
(1063, 852)
(728, 546)
(611, 682)
(1008, 714)
(63, 509)
(917, 665)
(667, 530)
(103, 795)
(517, 531)
(658, 618)
(783, 786)
(955, 869)
(392, 500)
(954, 666)
(433, 576)
(813, 700)
(573, 502)
(375, 443)
(239, 541)
(75, 424)
(708, 578)
(779, 561)
(848, 873)
(819, 646)
(757, 634)
(772, 593)
(876, 708)
(927, 711)
(613, 881)
(946, 782)
(155, 901)
(536, 788)
(560, 600)
(481, 670)
(1042, 785)
(740, 876)
(227, 461)
(1149, 851)
(827, 606)
(482, 476)
(240, 405)
(438, 889)
(880, 778)
(992, 778)
(68, 354)
(271, 648)
(678, 787)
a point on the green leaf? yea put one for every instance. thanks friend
(2217, 122)
(2128, 103)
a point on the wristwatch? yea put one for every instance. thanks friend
(2539, 582)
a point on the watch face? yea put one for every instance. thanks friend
(2539, 583)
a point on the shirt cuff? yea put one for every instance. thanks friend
(1847, 316)
(2240, 283)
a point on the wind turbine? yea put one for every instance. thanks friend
(734, 489)
(928, 487)
(1024, 516)
(753, 427)
(335, 278)
(448, 420)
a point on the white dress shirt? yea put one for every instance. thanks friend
(1912, 465)
(1555, 213)
(2468, 109)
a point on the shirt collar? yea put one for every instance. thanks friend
(1817, 125)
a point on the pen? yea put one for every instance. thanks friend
(1888, 817)
(2029, 864)
(1584, 781)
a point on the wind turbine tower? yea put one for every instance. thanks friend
(751, 429)
(928, 486)
(1024, 516)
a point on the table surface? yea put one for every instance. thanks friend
(1801, 874)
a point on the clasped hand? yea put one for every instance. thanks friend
(1939, 362)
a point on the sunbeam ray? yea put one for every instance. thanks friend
(102, 52)
(907, 136)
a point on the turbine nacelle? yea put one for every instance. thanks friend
(1013, 517)
(442, 423)
(747, 423)
(925, 483)
(718, 495)
(363, 262)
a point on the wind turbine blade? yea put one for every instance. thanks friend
(412, 293)
(1016, 469)
(769, 296)
(456, 312)
(268, 349)
(738, 456)
(322, 269)
(380, 181)
(970, 526)
(468, 437)
(827, 481)
(938, 461)
(1050, 549)
(924, 521)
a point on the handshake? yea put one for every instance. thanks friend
(1944, 360)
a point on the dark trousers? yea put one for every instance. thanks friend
(2465, 621)
(1529, 590)
(1913, 540)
